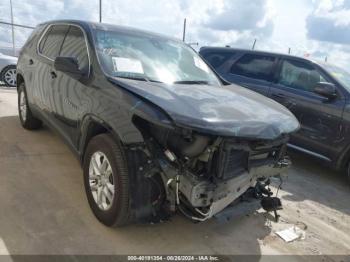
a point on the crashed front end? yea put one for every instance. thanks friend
(201, 174)
(204, 147)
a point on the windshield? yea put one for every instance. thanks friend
(340, 74)
(151, 58)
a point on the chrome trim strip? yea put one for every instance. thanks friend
(309, 152)
(68, 24)
(40, 39)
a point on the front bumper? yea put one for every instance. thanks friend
(220, 194)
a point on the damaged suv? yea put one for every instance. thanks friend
(155, 129)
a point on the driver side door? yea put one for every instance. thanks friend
(319, 117)
(69, 94)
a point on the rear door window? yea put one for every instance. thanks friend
(254, 66)
(299, 75)
(51, 42)
(74, 45)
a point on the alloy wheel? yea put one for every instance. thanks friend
(10, 77)
(101, 180)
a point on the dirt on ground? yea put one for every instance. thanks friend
(44, 210)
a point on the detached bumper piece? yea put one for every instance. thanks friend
(272, 204)
(250, 201)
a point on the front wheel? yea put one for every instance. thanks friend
(106, 181)
(26, 117)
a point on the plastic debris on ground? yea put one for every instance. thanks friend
(291, 234)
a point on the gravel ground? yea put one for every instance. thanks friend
(44, 210)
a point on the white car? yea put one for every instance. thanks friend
(8, 70)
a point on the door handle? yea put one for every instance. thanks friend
(53, 74)
(31, 61)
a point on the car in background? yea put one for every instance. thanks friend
(318, 94)
(8, 70)
(145, 116)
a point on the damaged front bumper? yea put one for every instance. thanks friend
(217, 196)
(203, 175)
(200, 174)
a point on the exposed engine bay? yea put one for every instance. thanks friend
(200, 175)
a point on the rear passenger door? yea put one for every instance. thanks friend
(254, 71)
(319, 117)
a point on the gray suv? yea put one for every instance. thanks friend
(155, 129)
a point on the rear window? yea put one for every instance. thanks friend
(217, 59)
(254, 66)
(51, 43)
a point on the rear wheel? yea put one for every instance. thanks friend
(26, 117)
(8, 76)
(106, 181)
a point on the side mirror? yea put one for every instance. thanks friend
(325, 89)
(68, 65)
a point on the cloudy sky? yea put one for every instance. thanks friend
(319, 28)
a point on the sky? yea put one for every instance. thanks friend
(316, 28)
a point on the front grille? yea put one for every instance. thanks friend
(232, 163)
(232, 159)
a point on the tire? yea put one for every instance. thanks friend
(26, 117)
(8, 75)
(111, 208)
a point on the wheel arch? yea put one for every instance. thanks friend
(19, 79)
(4, 68)
(92, 126)
(343, 159)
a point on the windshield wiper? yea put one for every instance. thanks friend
(140, 78)
(192, 82)
(134, 78)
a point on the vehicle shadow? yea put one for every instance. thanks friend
(239, 236)
(310, 179)
(41, 178)
(4, 87)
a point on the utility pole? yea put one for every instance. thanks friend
(184, 31)
(326, 59)
(253, 47)
(100, 11)
(289, 50)
(13, 31)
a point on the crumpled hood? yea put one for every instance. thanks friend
(223, 110)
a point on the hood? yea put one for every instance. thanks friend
(8, 58)
(222, 110)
